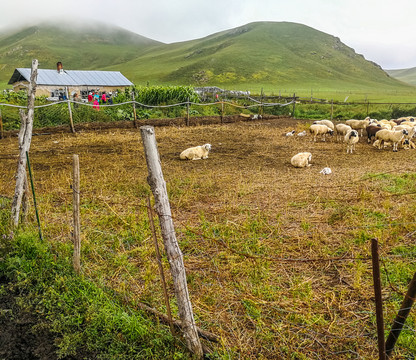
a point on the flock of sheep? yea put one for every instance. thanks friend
(382, 133)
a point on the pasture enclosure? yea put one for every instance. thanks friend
(278, 259)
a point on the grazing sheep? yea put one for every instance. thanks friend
(359, 124)
(351, 138)
(317, 129)
(391, 136)
(291, 133)
(371, 131)
(342, 130)
(301, 160)
(196, 153)
(328, 123)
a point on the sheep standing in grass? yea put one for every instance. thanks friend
(393, 136)
(371, 131)
(359, 124)
(196, 153)
(301, 160)
(328, 123)
(351, 138)
(342, 130)
(317, 129)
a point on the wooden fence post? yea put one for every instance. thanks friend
(379, 301)
(174, 254)
(332, 108)
(294, 105)
(76, 214)
(25, 138)
(187, 111)
(1, 126)
(401, 317)
(71, 122)
(134, 109)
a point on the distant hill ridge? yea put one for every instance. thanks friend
(273, 53)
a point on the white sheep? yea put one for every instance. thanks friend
(351, 138)
(196, 153)
(317, 129)
(291, 133)
(342, 130)
(394, 136)
(328, 123)
(303, 133)
(301, 160)
(359, 124)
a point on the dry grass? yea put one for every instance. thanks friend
(246, 198)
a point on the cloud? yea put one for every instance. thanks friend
(382, 33)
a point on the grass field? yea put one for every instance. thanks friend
(238, 214)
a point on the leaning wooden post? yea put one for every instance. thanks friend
(174, 254)
(25, 138)
(76, 214)
(379, 301)
(71, 122)
(332, 108)
(401, 317)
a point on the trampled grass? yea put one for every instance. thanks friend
(248, 224)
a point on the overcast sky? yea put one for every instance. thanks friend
(384, 34)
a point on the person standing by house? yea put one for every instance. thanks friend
(90, 96)
(96, 104)
(104, 97)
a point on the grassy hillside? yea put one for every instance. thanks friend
(270, 55)
(265, 54)
(86, 47)
(405, 75)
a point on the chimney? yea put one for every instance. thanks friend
(59, 67)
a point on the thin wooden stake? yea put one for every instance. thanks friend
(25, 138)
(173, 252)
(71, 122)
(34, 194)
(159, 264)
(401, 317)
(379, 300)
(76, 214)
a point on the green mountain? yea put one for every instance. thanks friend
(270, 54)
(80, 47)
(405, 75)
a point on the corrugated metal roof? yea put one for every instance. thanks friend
(72, 77)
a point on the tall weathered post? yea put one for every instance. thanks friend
(25, 139)
(76, 215)
(173, 252)
(71, 121)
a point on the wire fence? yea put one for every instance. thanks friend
(61, 112)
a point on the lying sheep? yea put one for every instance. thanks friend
(342, 130)
(351, 138)
(301, 160)
(196, 153)
(359, 124)
(328, 123)
(394, 136)
(317, 129)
